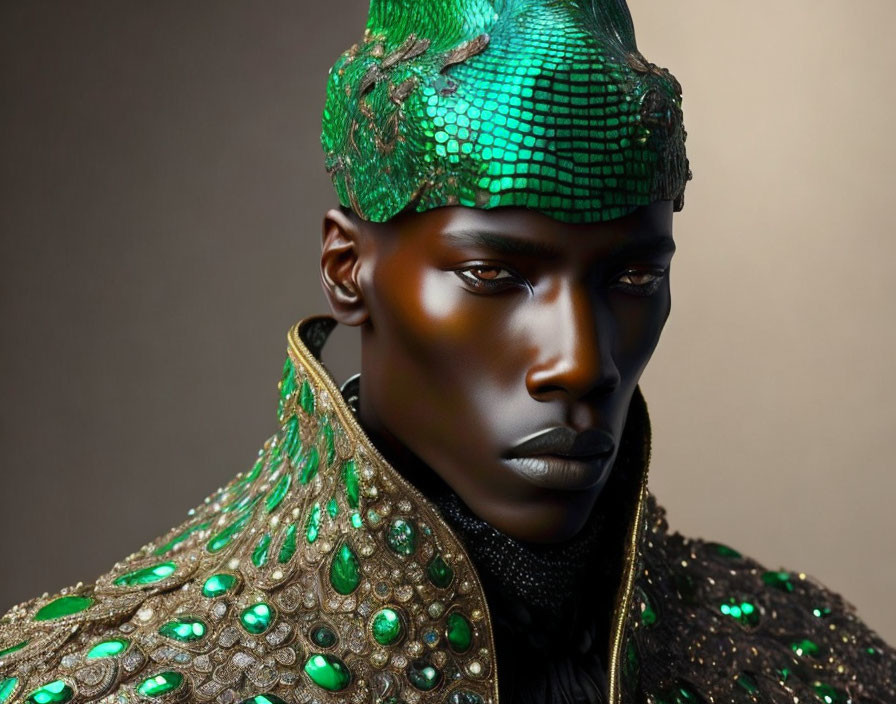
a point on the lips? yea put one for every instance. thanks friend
(565, 442)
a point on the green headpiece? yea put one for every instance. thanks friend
(545, 104)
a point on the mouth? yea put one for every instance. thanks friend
(560, 458)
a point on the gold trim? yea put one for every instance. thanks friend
(316, 370)
(623, 597)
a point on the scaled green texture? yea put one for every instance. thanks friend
(544, 104)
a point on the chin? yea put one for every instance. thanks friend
(552, 517)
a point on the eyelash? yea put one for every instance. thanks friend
(482, 285)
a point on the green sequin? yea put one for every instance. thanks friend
(743, 612)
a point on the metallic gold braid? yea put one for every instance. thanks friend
(544, 104)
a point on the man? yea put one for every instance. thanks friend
(469, 519)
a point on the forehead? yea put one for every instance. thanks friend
(522, 231)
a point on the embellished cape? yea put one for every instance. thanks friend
(321, 574)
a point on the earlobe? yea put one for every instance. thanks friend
(340, 262)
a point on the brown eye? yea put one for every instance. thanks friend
(484, 278)
(490, 273)
(640, 282)
(638, 278)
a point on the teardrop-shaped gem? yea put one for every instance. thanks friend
(287, 380)
(806, 647)
(649, 614)
(13, 649)
(226, 536)
(254, 472)
(779, 580)
(439, 572)
(64, 606)
(345, 570)
(148, 575)
(329, 442)
(352, 487)
(178, 539)
(328, 672)
(423, 674)
(292, 440)
(459, 632)
(830, 695)
(260, 553)
(108, 648)
(743, 612)
(306, 397)
(386, 627)
(288, 548)
(7, 687)
(401, 537)
(55, 692)
(310, 466)
(323, 636)
(160, 684)
(747, 682)
(277, 494)
(312, 527)
(218, 585)
(267, 698)
(724, 551)
(257, 618)
(333, 508)
(185, 630)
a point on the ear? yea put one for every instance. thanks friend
(340, 265)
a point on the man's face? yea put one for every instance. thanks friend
(501, 348)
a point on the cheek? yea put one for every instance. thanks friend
(640, 325)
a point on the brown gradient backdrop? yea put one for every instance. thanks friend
(161, 191)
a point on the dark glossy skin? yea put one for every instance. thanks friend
(482, 327)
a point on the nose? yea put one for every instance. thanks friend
(575, 348)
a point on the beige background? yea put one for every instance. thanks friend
(161, 187)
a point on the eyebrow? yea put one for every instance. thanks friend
(661, 244)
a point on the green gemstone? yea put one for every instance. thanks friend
(160, 684)
(328, 672)
(423, 675)
(681, 693)
(332, 508)
(174, 542)
(260, 553)
(185, 630)
(345, 570)
(55, 692)
(632, 664)
(329, 442)
(257, 618)
(462, 696)
(276, 495)
(218, 585)
(306, 397)
(357, 521)
(778, 580)
(148, 575)
(7, 687)
(312, 526)
(108, 648)
(821, 612)
(292, 443)
(459, 632)
(387, 627)
(226, 536)
(64, 606)
(806, 647)
(263, 699)
(724, 551)
(784, 674)
(747, 682)
(13, 649)
(439, 572)
(254, 472)
(309, 469)
(352, 487)
(288, 548)
(830, 695)
(873, 652)
(744, 612)
(287, 380)
(324, 637)
(649, 615)
(401, 537)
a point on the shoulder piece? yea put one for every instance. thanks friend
(708, 624)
